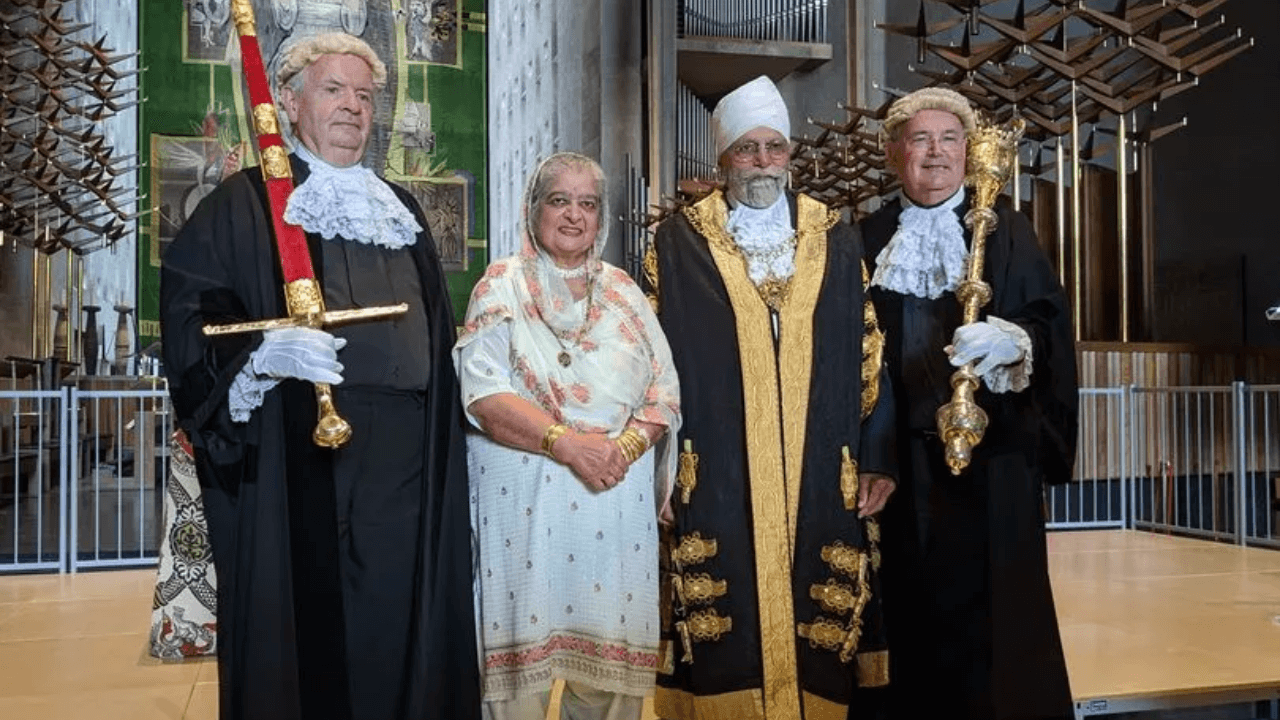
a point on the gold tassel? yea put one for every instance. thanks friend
(687, 473)
(850, 646)
(848, 479)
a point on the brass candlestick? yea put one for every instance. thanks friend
(992, 151)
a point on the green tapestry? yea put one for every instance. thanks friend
(429, 135)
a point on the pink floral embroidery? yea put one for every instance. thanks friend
(580, 392)
(485, 319)
(544, 398)
(557, 392)
(582, 646)
(497, 269)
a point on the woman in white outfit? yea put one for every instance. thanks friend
(569, 379)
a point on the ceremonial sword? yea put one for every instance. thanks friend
(302, 293)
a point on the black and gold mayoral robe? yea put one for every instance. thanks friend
(968, 602)
(775, 609)
(344, 576)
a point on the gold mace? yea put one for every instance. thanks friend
(992, 151)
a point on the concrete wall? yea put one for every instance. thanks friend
(564, 75)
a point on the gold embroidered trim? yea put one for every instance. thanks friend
(872, 351)
(820, 708)
(767, 472)
(708, 625)
(833, 596)
(848, 479)
(698, 589)
(687, 472)
(666, 657)
(842, 558)
(873, 538)
(650, 268)
(823, 633)
(795, 356)
(850, 646)
(736, 705)
(828, 634)
(693, 550)
(873, 669)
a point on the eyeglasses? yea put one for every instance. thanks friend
(744, 151)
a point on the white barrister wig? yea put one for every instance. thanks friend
(755, 104)
(930, 98)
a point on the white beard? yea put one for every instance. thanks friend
(755, 188)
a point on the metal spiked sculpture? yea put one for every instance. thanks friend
(60, 185)
(1069, 69)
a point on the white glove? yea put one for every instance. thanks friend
(299, 352)
(988, 345)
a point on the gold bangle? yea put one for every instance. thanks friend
(632, 443)
(550, 437)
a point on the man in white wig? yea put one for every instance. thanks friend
(970, 611)
(787, 445)
(344, 576)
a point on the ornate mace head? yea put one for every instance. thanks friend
(991, 152)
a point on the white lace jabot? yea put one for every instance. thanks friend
(352, 202)
(765, 237)
(927, 255)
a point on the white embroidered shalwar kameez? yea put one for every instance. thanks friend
(567, 577)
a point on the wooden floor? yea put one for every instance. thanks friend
(1146, 616)
(1142, 615)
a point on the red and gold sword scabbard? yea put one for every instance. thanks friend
(303, 296)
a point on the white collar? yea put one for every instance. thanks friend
(927, 255)
(766, 238)
(352, 203)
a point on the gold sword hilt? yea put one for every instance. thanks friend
(306, 309)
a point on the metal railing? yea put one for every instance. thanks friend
(778, 20)
(83, 472)
(1198, 461)
(1100, 494)
(82, 477)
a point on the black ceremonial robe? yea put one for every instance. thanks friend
(970, 611)
(764, 547)
(271, 496)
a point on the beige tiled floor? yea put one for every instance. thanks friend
(74, 647)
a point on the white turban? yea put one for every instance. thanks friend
(756, 104)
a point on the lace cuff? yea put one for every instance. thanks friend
(1015, 377)
(246, 393)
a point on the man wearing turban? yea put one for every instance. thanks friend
(787, 447)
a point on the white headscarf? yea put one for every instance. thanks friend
(555, 301)
(756, 104)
